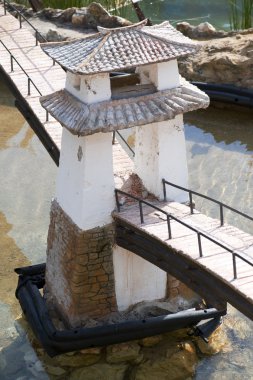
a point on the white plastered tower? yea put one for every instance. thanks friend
(87, 274)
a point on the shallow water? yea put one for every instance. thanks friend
(220, 156)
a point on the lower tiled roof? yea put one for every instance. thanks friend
(82, 119)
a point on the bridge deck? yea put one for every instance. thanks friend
(184, 241)
(36, 63)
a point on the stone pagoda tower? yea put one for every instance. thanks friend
(87, 275)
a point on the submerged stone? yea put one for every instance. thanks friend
(101, 371)
(123, 352)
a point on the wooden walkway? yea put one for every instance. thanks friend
(47, 77)
(184, 242)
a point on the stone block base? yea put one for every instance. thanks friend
(79, 274)
(176, 288)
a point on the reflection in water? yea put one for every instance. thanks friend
(220, 159)
(220, 149)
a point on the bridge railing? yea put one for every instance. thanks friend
(221, 205)
(123, 139)
(38, 35)
(29, 79)
(200, 234)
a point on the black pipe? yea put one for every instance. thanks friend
(227, 93)
(56, 342)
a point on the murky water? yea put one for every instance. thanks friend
(220, 156)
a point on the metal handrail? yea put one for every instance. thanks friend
(20, 17)
(29, 80)
(124, 140)
(191, 205)
(235, 254)
(12, 70)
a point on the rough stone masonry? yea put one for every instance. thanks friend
(83, 260)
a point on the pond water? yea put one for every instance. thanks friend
(194, 11)
(220, 156)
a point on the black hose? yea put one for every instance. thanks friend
(227, 93)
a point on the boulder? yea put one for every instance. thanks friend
(53, 36)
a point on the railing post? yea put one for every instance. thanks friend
(53, 62)
(221, 215)
(29, 86)
(169, 226)
(164, 190)
(141, 212)
(191, 202)
(36, 37)
(234, 266)
(12, 69)
(200, 245)
(5, 12)
(47, 116)
(20, 21)
(113, 135)
(117, 201)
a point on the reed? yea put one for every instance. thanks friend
(115, 6)
(241, 14)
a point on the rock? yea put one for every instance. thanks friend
(97, 10)
(66, 15)
(178, 363)
(100, 371)
(218, 342)
(185, 28)
(203, 30)
(151, 341)
(76, 360)
(108, 21)
(206, 27)
(228, 60)
(53, 36)
(123, 352)
(56, 371)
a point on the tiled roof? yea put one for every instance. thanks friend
(82, 119)
(121, 48)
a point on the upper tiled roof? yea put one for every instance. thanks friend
(121, 48)
(82, 119)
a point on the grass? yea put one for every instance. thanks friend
(113, 6)
(241, 14)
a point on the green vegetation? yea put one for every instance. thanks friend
(110, 5)
(241, 14)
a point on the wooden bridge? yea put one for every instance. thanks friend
(212, 258)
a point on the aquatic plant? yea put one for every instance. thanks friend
(241, 14)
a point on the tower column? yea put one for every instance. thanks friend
(79, 276)
(160, 152)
